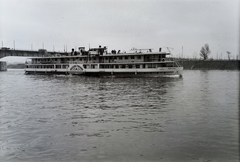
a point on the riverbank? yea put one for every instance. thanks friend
(211, 64)
(16, 66)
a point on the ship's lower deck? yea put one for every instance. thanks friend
(151, 72)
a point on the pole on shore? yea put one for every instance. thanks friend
(14, 44)
(182, 55)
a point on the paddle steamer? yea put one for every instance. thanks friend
(100, 62)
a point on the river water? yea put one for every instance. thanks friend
(75, 118)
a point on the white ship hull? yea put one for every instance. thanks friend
(150, 72)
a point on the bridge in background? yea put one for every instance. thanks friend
(4, 52)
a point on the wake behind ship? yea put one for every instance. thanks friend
(100, 62)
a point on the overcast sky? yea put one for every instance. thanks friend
(122, 24)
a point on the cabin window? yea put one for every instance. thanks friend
(123, 66)
(132, 57)
(116, 66)
(137, 66)
(138, 57)
(126, 57)
(120, 57)
(130, 66)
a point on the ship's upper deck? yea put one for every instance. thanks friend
(102, 52)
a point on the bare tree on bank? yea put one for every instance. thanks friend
(205, 51)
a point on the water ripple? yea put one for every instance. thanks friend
(72, 118)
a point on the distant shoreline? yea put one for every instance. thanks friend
(211, 64)
(15, 66)
(187, 64)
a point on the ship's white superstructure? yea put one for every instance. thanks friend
(98, 62)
